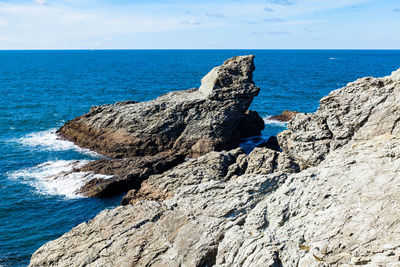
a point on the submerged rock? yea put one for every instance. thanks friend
(285, 116)
(191, 122)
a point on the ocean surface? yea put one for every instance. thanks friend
(41, 90)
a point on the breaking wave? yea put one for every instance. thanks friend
(56, 177)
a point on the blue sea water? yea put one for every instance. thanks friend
(41, 90)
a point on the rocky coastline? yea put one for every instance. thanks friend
(148, 138)
(324, 192)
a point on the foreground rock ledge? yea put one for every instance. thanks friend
(192, 122)
(252, 211)
(341, 212)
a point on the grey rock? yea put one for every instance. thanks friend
(192, 122)
(265, 161)
(363, 109)
(212, 166)
(342, 212)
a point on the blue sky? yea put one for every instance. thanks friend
(224, 24)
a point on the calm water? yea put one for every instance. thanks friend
(40, 90)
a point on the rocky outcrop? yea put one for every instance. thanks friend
(232, 209)
(363, 109)
(191, 122)
(285, 116)
(125, 173)
(151, 137)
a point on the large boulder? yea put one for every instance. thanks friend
(191, 122)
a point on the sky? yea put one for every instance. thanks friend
(207, 24)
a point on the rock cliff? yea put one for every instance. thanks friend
(231, 209)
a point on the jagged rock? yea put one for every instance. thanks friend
(220, 166)
(285, 116)
(265, 161)
(192, 122)
(363, 109)
(125, 173)
(212, 166)
(342, 212)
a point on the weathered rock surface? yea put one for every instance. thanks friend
(127, 173)
(212, 166)
(191, 122)
(218, 166)
(363, 109)
(285, 116)
(232, 209)
(343, 212)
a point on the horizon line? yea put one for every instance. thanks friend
(144, 49)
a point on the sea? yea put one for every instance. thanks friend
(41, 90)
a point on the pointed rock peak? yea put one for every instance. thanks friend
(232, 79)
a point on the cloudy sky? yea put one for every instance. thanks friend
(174, 24)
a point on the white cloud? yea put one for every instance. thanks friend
(82, 23)
(40, 2)
(192, 22)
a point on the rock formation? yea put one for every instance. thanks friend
(363, 109)
(151, 137)
(232, 209)
(285, 116)
(191, 122)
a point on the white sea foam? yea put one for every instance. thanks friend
(49, 140)
(267, 120)
(56, 178)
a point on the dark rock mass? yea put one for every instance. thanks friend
(191, 122)
(127, 173)
(271, 143)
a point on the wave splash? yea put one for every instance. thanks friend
(56, 177)
(267, 120)
(50, 141)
